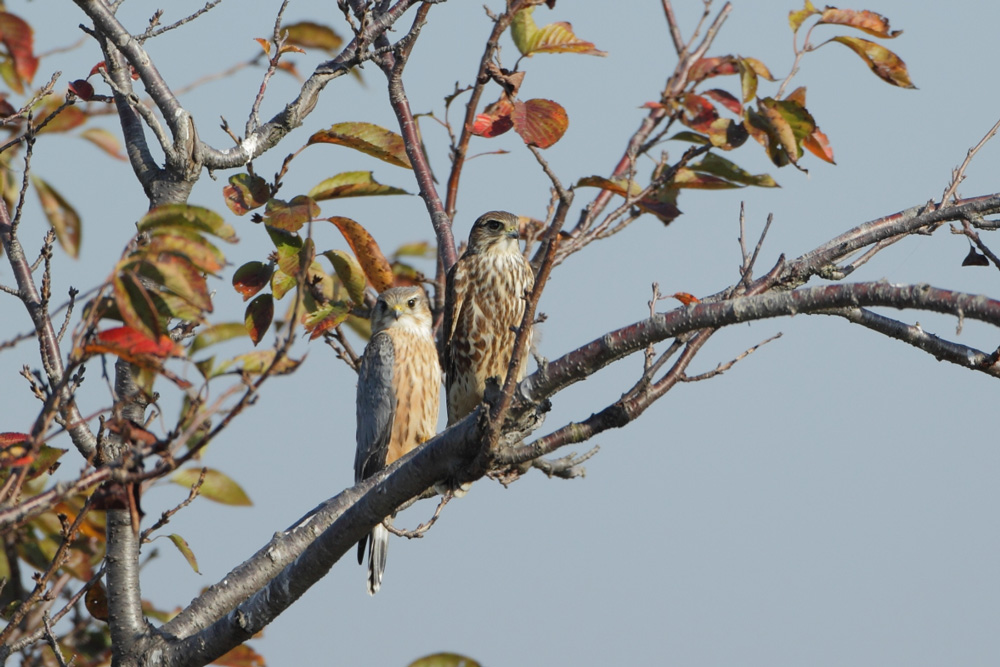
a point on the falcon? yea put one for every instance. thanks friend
(484, 304)
(399, 384)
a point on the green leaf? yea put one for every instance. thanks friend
(218, 333)
(350, 273)
(554, 38)
(723, 168)
(369, 139)
(217, 485)
(444, 660)
(185, 550)
(292, 215)
(185, 217)
(352, 184)
(245, 193)
(311, 35)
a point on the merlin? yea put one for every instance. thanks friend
(399, 384)
(484, 305)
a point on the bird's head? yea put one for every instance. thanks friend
(402, 307)
(494, 232)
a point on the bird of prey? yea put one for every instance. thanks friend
(399, 384)
(484, 304)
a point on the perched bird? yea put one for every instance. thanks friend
(484, 300)
(399, 384)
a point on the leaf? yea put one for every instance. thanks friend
(974, 258)
(619, 186)
(96, 601)
(17, 36)
(748, 81)
(104, 140)
(350, 273)
(264, 44)
(14, 451)
(685, 298)
(63, 119)
(759, 68)
(82, 89)
(540, 123)
(136, 305)
(290, 216)
(241, 656)
(781, 126)
(418, 249)
(218, 333)
(444, 660)
(61, 215)
(869, 22)
(691, 137)
(185, 550)
(817, 144)
(495, 119)
(252, 277)
(723, 168)
(325, 317)
(193, 249)
(313, 36)
(352, 184)
(260, 360)
(376, 267)
(245, 193)
(725, 99)
(705, 68)
(217, 486)
(884, 63)
(797, 17)
(367, 138)
(699, 113)
(553, 38)
(131, 344)
(258, 317)
(727, 134)
(281, 284)
(185, 217)
(180, 277)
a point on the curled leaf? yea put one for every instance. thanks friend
(350, 273)
(797, 17)
(884, 63)
(292, 215)
(869, 22)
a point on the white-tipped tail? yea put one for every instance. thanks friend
(378, 546)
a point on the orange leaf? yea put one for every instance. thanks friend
(264, 44)
(817, 144)
(540, 123)
(376, 267)
(887, 65)
(685, 298)
(870, 22)
(241, 656)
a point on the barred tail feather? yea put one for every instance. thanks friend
(379, 546)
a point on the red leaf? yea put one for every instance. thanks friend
(495, 119)
(129, 343)
(13, 451)
(245, 193)
(540, 123)
(709, 67)
(82, 89)
(17, 36)
(725, 99)
(685, 298)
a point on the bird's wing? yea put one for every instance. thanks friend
(376, 406)
(453, 297)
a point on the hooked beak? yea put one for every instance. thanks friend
(512, 233)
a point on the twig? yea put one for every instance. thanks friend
(958, 175)
(424, 527)
(723, 367)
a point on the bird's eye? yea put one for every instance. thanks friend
(380, 305)
(494, 225)
(412, 303)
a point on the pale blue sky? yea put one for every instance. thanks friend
(830, 500)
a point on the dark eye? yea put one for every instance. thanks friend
(380, 305)
(494, 225)
(412, 303)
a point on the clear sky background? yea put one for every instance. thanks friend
(830, 500)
